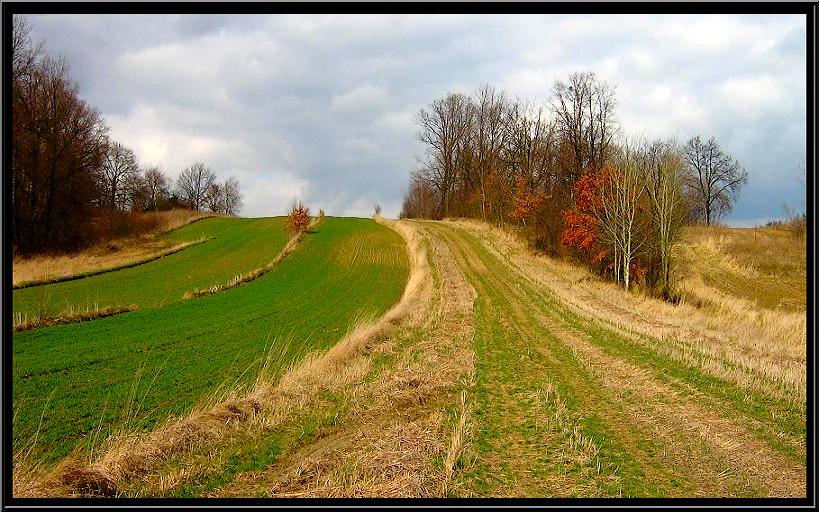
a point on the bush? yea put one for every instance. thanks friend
(298, 220)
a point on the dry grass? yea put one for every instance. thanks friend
(677, 417)
(23, 322)
(754, 347)
(457, 444)
(246, 277)
(103, 257)
(765, 266)
(120, 258)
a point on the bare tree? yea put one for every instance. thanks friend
(621, 188)
(232, 196)
(118, 166)
(584, 110)
(24, 52)
(57, 145)
(156, 187)
(420, 202)
(489, 137)
(193, 184)
(714, 178)
(215, 198)
(135, 193)
(444, 129)
(664, 178)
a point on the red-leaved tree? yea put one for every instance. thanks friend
(581, 232)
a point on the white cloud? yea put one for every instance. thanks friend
(323, 107)
(362, 98)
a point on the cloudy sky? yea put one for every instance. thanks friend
(322, 107)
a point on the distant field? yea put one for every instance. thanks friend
(764, 266)
(106, 253)
(162, 360)
(238, 245)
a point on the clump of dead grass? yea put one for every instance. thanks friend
(26, 322)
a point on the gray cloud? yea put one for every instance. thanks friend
(321, 107)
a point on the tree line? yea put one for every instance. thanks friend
(566, 175)
(68, 176)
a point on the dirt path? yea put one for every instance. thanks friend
(557, 415)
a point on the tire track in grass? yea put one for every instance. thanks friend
(763, 421)
(518, 453)
(723, 457)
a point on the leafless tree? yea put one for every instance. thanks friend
(193, 184)
(489, 132)
(420, 202)
(531, 145)
(664, 179)
(444, 130)
(57, 145)
(232, 197)
(156, 187)
(622, 187)
(135, 193)
(714, 178)
(118, 167)
(584, 110)
(24, 52)
(215, 198)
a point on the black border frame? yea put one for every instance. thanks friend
(809, 9)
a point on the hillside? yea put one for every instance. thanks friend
(78, 383)
(499, 373)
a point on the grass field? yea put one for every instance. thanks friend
(764, 266)
(79, 382)
(505, 373)
(238, 245)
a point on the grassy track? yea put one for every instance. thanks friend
(238, 245)
(566, 407)
(148, 364)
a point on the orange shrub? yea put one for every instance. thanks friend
(298, 219)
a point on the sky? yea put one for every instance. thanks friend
(323, 108)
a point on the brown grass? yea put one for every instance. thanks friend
(764, 266)
(104, 256)
(23, 322)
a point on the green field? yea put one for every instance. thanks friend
(74, 380)
(238, 245)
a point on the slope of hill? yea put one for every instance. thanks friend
(78, 383)
(500, 373)
(237, 245)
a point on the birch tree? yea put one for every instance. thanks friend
(664, 189)
(621, 189)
